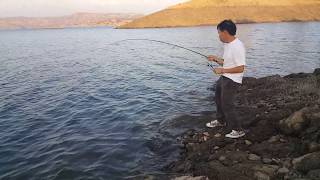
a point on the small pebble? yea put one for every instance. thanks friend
(283, 170)
(282, 140)
(222, 158)
(206, 134)
(274, 139)
(277, 161)
(248, 143)
(266, 160)
(254, 157)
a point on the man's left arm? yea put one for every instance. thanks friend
(238, 69)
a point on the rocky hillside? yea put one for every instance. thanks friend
(75, 20)
(207, 12)
(282, 117)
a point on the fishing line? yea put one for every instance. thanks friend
(163, 42)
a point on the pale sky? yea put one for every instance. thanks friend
(34, 8)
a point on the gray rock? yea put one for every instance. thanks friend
(266, 169)
(247, 142)
(295, 123)
(191, 178)
(222, 158)
(261, 176)
(283, 170)
(314, 174)
(267, 160)
(206, 134)
(276, 160)
(274, 139)
(313, 147)
(283, 140)
(254, 157)
(238, 156)
(307, 162)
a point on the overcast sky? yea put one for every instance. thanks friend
(9, 8)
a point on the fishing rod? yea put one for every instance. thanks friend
(163, 42)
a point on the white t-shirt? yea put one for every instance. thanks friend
(234, 55)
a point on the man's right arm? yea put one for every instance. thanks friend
(215, 59)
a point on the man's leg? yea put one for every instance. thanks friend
(228, 91)
(218, 100)
(220, 121)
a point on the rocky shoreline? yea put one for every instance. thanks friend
(282, 116)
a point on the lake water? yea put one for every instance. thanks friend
(72, 106)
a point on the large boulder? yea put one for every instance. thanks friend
(295, 123)
(307, 162)
(311, 135)
(314, 174)
(317, 72)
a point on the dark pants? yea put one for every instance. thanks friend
(226, 90)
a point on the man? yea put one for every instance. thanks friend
(231, 72)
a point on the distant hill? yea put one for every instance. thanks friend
(207, 12)
(74, 20)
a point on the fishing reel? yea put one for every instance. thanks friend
(210, 65)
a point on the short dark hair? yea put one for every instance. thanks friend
(229, 26)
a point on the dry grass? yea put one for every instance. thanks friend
(207, 12)
(237, 3)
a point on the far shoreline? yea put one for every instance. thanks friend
(167, 27)
(55, 28)
(203, 25)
